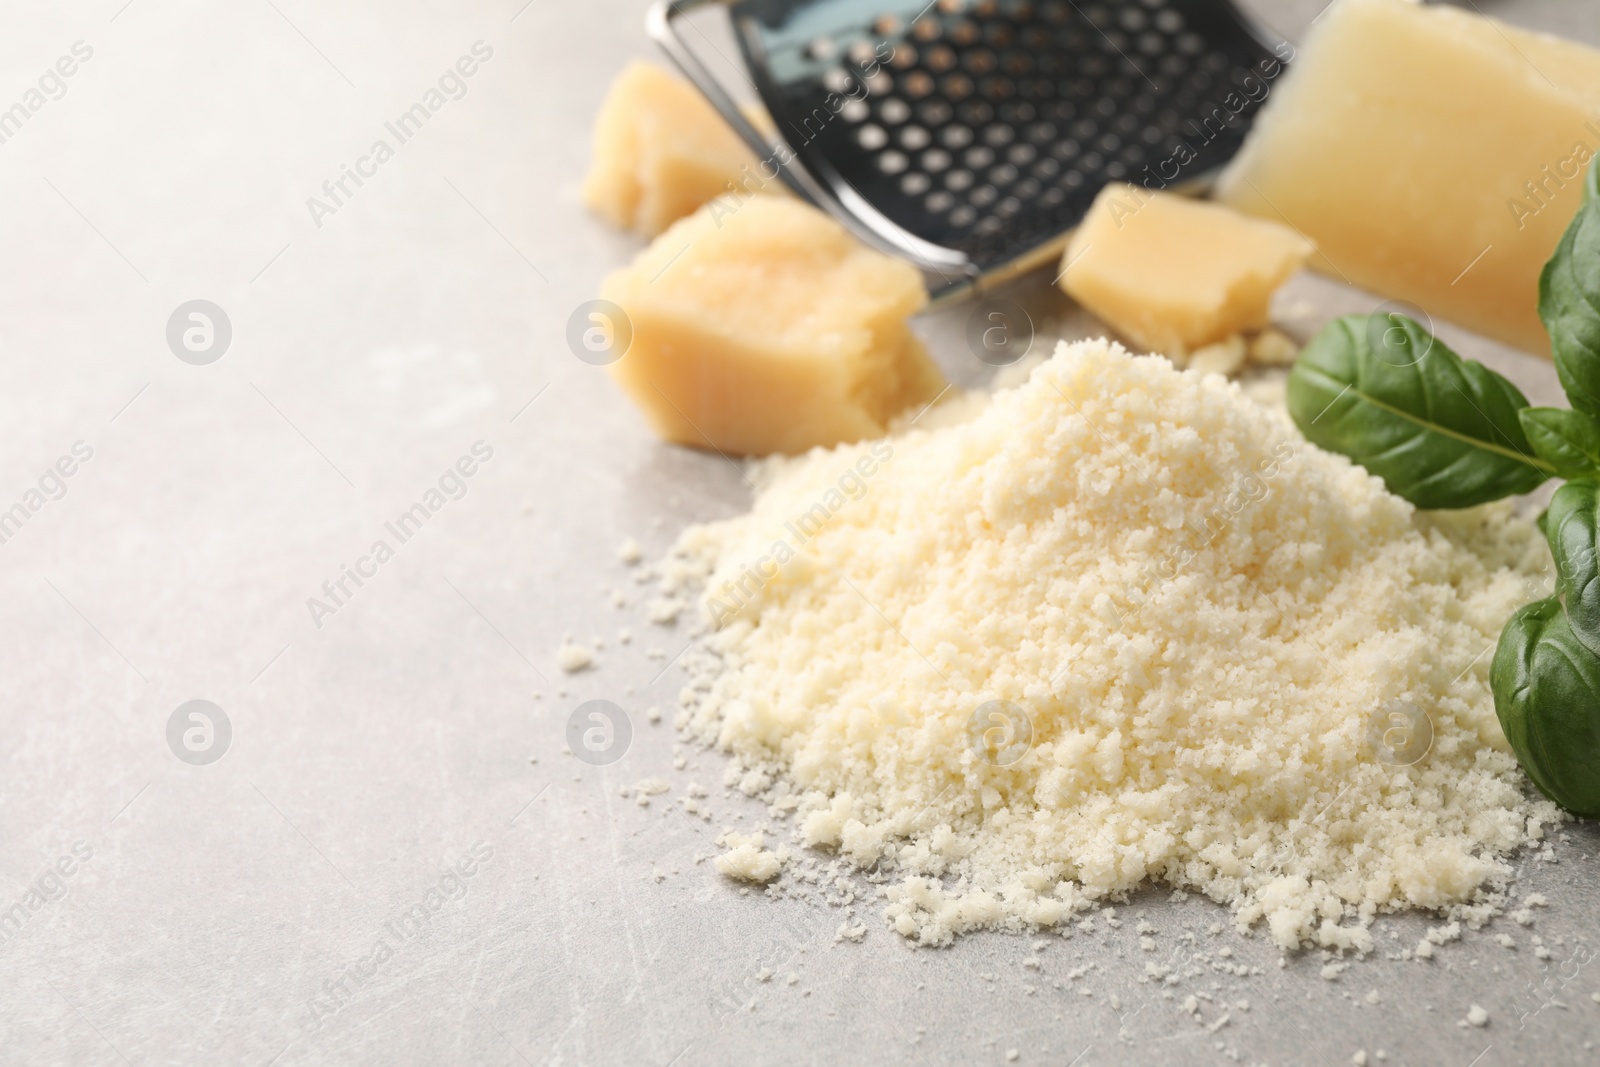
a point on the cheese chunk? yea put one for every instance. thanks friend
(1172, 274)
(770, 329)
(661, 151)
(1432, 154)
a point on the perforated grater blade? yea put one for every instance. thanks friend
(970, 136)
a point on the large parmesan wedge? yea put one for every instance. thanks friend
(1434, 155)
(661, 151)
(1171, 274)
(770, 329)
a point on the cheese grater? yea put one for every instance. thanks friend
(970, 136)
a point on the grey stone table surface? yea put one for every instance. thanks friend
(393, 861)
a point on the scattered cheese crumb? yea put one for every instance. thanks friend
(573, 657)
(663, 611)
(1274, 348)
(1440, 935)
(846, 932)
(629, 552)
(1477, 1016)
(1224, 357)
(746, 860)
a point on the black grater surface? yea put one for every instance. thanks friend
(987, 127)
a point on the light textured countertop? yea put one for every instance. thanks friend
(402, 739)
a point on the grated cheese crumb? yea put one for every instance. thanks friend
(573, 657)
(1273, 348)
(1224, 357)
(663, 611)
(746, 860)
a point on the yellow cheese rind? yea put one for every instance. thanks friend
(661, 151)
(1172, 274)
(1432, 154)
(770, 329)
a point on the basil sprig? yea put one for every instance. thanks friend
(1440, 430)
(1444, 432)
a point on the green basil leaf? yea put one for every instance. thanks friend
(1569, 302)
(1573, 530)
(1440, 431)
(1568, 440)
(1547, 696)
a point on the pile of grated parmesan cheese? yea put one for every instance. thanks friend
(1201, 617)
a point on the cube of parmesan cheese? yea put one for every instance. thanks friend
(769, 328)
(1172, 274)
(661, 151)
(1434, 156)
